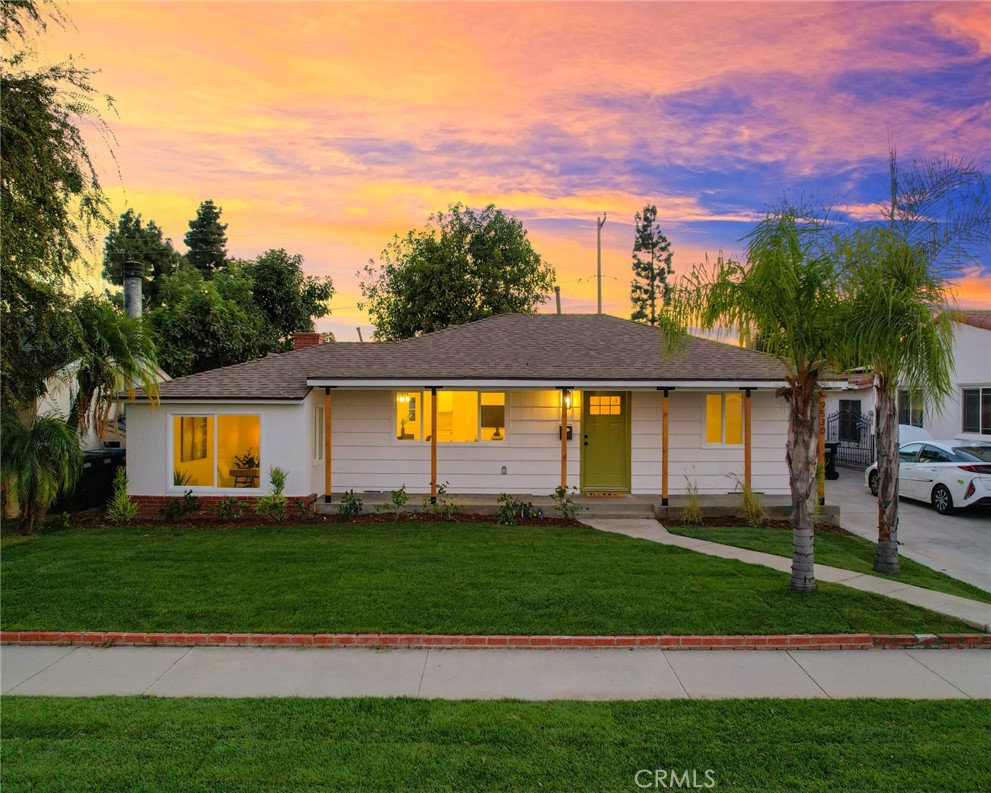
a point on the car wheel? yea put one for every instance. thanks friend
(873, 482)
(942, 500)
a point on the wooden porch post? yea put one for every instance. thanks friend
(747, 445)
(664, 447)
(327, 491)
(821, 480)
(564, 438)
(433, 445)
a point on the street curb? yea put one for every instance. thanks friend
(831, 641)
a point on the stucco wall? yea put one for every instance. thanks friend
(284, 443)
(972, 367)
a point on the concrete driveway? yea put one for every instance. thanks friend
(958, 544)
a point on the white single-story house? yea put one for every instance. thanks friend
(964, 414)
(516, 403)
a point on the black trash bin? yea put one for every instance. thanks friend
(831, 451)
(96, 483)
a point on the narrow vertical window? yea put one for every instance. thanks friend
(318, 437)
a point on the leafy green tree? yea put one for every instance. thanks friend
(288, 298)
(207, 239)
(788, 294)
(50, 200)
(464, 266)
(651, 267)
(132, 240)
(37, 460)
(204, 324)
(937, 219)
(116, 354)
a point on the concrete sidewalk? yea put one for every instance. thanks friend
(493, 674)
(973, 612)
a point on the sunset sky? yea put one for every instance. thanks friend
(325, 128)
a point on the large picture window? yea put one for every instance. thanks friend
(724, 418)
(216, 451)
(462, 416)
(977, 410)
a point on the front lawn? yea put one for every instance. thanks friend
(112, 744)
(836, 550)
(415, 578)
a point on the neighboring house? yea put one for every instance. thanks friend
(965, 413)
(481, 403)
(56, 402)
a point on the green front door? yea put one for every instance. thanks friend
(606, 441)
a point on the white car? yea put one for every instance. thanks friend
(947, 474)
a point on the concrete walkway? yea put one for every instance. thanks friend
(972, 612)
(493, 674)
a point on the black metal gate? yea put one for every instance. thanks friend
(853, 433)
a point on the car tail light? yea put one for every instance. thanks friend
(970, 489)
(976, 469)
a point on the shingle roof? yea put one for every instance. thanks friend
(558, 347)
(977, 318)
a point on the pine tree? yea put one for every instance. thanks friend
(206, 239)
(134, 241)
(651, 267)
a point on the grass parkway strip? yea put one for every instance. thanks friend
(836, 550)
(111, 744)
(439, 578)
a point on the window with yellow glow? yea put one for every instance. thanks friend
(605, 405)
(216, 451)
(493, 416)
(724, 418)
(408, 415)
(462, 416)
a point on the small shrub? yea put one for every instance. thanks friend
(446, 506)
(275, 505)
(121, 509)
(511, 509)
(58, 520)
(229, 510)
(397, 504)
(175, 508)
(181, 478)
(350, 506)
(564, 503)
(692, 514)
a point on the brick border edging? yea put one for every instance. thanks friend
(830, 641)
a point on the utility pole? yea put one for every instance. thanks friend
(598, 270)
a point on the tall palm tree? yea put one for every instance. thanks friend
(37, 459)
(116, 353)
(787, 298)
(937, 218)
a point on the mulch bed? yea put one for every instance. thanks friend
(97, 517)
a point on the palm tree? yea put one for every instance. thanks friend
(116, 353)
(787, 296)
(37, 459)
(937, 218)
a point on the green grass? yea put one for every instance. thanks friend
(836, 550)
(415, 578)
(113, 744)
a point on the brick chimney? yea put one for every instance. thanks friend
(300, 341)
